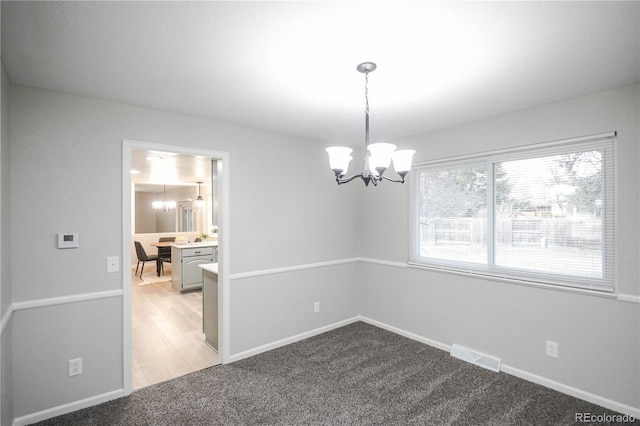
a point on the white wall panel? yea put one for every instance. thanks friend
(46, 338)
(276, 306)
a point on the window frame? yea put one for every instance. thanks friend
(605, 142)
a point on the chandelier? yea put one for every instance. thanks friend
(377, 156)
(164, 205)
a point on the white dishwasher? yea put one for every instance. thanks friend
(186, 275)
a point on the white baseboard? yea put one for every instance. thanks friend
(412, 336)
(289, 340)
(530, 377)
(67, 408)
(570, 390)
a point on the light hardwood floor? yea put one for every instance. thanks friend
(167, 332)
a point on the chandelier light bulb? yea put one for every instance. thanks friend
(198, 203)
(380, 156)
(339, 158)
(402, 160)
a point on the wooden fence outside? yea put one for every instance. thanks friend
(564, 232)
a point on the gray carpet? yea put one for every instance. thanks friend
(356, 375)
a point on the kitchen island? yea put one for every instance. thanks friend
(210, 304)
(185, 259)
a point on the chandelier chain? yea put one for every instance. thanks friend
(366, 92)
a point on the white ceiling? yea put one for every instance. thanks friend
(151, 171)
(290, 67)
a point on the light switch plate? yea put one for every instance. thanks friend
(113, 264)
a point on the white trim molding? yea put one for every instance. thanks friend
(407, 334)
(383, 262)
(67, 408)
(224, 316)
(262, 272)
(61, 300)
(570, 390)
(289, 340)
(53, 301)
(303, 267)
(6, 317)
(630, 298)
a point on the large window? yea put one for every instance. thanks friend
(538, 214)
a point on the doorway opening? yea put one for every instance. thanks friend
(153, 301)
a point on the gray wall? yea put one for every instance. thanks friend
(285, 210)
(5, 246)
(145, 215)
(597, 336)
(275, 307)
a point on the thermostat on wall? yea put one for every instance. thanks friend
(67, 240)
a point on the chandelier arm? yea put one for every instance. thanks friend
(341, 180)
(393, 180)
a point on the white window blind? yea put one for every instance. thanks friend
(543, 213)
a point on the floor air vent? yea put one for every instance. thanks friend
(486, 361)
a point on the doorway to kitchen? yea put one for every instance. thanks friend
(154, 301)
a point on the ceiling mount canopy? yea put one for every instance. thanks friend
(366, 67)
(377, 156)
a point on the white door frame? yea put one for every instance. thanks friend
(223, 252)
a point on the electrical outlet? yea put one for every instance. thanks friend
(75, 366)
(316, 307)
(552, 349)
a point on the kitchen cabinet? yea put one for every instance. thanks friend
(185, 258)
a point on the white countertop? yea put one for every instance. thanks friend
(210, 267)
(213, 243)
